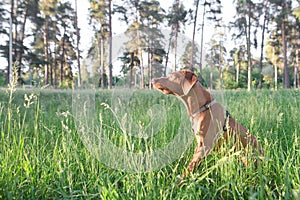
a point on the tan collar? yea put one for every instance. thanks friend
(204, 108)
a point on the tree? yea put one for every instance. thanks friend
(37, 54)
(130, 63)
(273, 51)
(19, 16)
(65, 16)
(194, 32)
(2, 18)
(56, 36)
(77, 45)
(245, 20)
(130, 12)
(20, 13)
(186, 56)
(212, 14)
(217, 54)
(266, 18)
(248, 37)
(144, 19)
(151, 16)
(281, 12)
(5, 49)
(20, 38)
(48, 10)
(177, 18)
(294, 46)
(110, 67)
(100, 23)
(52, 23)
(286, 79)
(238, 56)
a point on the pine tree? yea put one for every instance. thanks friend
(246, 24)
(99, 21)
(177, 18)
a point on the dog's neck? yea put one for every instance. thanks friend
(196, 98)
(206, 123)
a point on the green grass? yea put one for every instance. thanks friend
(43, 156)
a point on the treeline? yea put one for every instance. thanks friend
(44, 46)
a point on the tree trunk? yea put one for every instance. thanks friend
(238, 66)
(46, 67)
(149, 67)
(296, 68)
(175, 48)
(62, 60)
(275, 69)
(21, 40)
(249, 48)
(212, 69)
(131, 66)
(15, 37)
(276, 76)
(51, 67)
(77, 45)
(220, 66)
(10, 59)
(167, 55)
(210, 77)
(102, 63)
(286, 80)
(262, 45)
(142, 69)
(175, 27)
(297, 63)
(193, 40)
(54, 69)
(110, 80)
(55, 60)
(202, 36)
(135, 78)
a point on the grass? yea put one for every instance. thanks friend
(43, 156)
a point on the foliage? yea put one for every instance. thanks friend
(185, 58)
(296, 12)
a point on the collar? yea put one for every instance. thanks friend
(204, 108)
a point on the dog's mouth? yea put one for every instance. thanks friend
(161, 88)
(166, 91)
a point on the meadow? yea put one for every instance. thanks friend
(43, 156)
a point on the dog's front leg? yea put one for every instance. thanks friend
(200, 152)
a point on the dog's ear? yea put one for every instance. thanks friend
(189, 80)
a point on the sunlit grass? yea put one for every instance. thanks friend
(42, 155)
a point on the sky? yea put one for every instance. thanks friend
(119, 27)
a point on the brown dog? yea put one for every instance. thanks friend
(208, 117)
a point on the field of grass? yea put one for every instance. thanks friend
(43, 155)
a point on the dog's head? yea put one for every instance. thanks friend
(178, 83)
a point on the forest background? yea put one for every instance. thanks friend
(250, 44)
